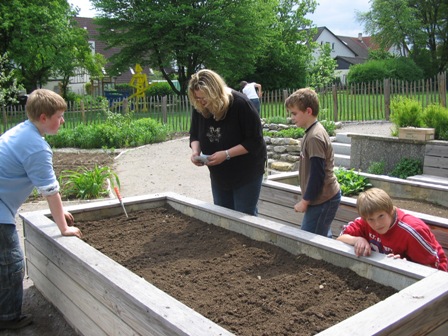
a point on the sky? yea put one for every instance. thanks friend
(336, 15)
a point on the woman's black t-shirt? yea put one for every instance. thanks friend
(241, 125)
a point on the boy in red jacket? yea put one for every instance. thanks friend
(386, 229)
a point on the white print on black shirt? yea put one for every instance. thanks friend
(214, 134)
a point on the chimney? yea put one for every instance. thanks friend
(360, 37)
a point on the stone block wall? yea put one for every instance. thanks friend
(367, 149)
(283, 153)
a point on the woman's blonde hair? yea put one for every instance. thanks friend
(216, 93)
(43, 101)
(372, 201)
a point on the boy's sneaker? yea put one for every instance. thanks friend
(18, 323)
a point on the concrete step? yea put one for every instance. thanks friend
(341, 148)
(341, 160)
(342, 137)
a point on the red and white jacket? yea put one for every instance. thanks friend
(408, 236)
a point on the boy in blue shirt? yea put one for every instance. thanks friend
(26, 162)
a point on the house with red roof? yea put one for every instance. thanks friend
(347, 50)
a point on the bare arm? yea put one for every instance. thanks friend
(258, 86)
(360, 244)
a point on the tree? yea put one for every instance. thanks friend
(416, 23)
(41, 39)
(322, 72)
(75, 55)
(284, 61)
(9, 89)
(224, 35)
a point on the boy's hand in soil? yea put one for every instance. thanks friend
(69, 218)
(72, 231)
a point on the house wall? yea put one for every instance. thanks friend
(338, 47)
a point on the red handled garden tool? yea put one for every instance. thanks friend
(117, 192)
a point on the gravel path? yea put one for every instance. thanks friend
(383, 128)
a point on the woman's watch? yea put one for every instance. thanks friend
(227, 155)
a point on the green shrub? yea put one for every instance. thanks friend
(87, 184)
(277, 120)
(118, 131)
(159, 89)
(407, 167)
(71, 96)
(402, 68)
(351, 182)
(406, 112)
(377, 168)
(123, 87)
(298, 132)
(292, 132)
(436, 116)
(367, 72)
(329, 126)
(94, 100)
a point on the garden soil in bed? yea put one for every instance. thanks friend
(247, 287)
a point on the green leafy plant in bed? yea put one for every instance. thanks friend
(407, 167)
(377, 168)
(351, 182)
(87, 184)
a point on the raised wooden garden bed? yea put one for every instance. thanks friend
(281, 191)
(100, 297)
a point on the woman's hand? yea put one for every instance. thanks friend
(217, 158)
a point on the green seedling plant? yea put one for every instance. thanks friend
(407, 167)
(88, 184)
(351, 182)
(377, 168)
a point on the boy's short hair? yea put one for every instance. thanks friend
(44, 101)
(372, 201)
(302, 99)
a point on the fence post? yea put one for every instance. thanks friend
(387, 98)
(164, 109)
(83, 111)
(442, 88)
(285, 95)
(124, 106)
(335, 102)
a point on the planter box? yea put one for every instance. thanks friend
(281, 191)
(416, 133)
(98, 296)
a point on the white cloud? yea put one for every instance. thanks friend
(339, 16)
(85, 6)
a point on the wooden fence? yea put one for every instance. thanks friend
(371, 101)
(357, 102)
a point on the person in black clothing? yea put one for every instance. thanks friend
(226, 135)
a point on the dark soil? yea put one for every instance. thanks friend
(247, 287)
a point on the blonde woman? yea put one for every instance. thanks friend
(226, 136)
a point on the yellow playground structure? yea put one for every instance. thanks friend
(139, 82)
